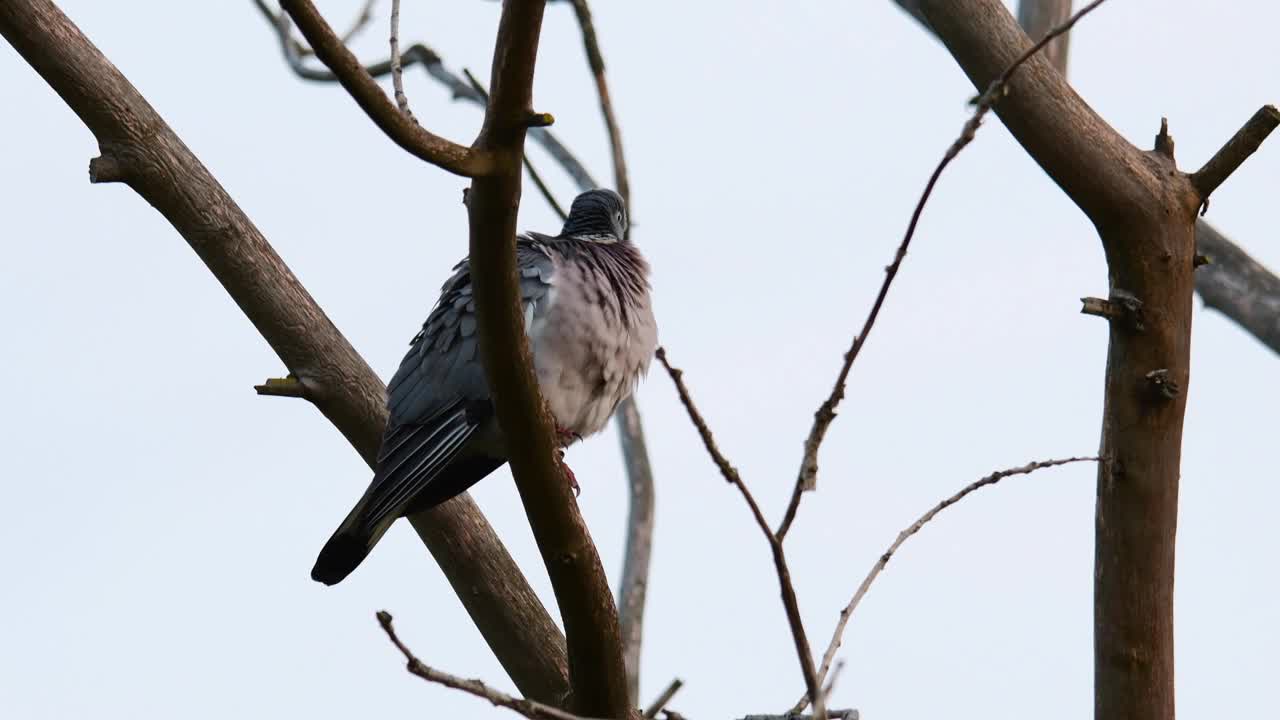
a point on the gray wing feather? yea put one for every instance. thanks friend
(443, 363)
(438, 399)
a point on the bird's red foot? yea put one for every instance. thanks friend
(566, 437)
(568, 475)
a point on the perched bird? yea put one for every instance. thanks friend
(585, 294)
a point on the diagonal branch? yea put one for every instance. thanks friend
(837, 636)
(402, 129)
(807, 478)
(529, 708)
(1230, 156)
(141, 150)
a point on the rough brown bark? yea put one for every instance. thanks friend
(1144, 210)
(596, 671)
(139, 149)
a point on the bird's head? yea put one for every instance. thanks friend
(597, 216)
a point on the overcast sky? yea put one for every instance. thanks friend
(161, 519)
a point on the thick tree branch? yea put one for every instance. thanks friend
(1238, 286)
(596, 670)
(1038, 17)
(140, 150)
(639, 544)
(402, 129)
(1242, 296)
(1144, 210)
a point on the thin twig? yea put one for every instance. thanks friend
(883, 560)
(849, 714)
(397, 81)
(596, 59)
(730, 473)
(660, 703)
(832, 678)
(807, 477)
(528, 708)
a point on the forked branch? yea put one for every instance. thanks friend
(140, 149)
(792, 606)
(401, 128)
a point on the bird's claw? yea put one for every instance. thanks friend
(568, 475)
(567, 437)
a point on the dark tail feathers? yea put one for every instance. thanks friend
(343, 553)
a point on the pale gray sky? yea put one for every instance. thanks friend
(162, 519)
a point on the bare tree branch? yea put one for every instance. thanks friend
(730, 474)
(1244, 291)
(830, 715)
(529, 708)
(139, 149)
(1238, 149)
(1038, 17)
(405, 132)
(397, 81)
(807, 478)
(837, 636)
(596, 669)
(1238, 286)
(1144, 210)
(596, 60)
(419, 54)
